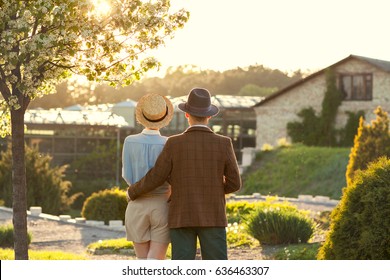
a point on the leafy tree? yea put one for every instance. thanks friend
(44, 41)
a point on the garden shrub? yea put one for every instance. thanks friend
(237, 237)
(7, 236)
(235, 211)
(272, 224)
(360, 224)
(45, 184)
(105, 205)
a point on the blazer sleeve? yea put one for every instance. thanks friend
(155, 177)
(231, 172)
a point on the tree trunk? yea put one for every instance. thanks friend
(19, 199)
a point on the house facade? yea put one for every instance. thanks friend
(364, 82)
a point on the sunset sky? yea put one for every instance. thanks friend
(280, 34)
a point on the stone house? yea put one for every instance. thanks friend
(364, 81)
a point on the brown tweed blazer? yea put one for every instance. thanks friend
(201, 168)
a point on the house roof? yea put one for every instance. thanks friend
(381, 64)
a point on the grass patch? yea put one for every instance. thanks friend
(298, 169)
(8, 254)
(307, 251)
(116, 246)
(111, 246)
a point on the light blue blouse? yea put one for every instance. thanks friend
(140, 152)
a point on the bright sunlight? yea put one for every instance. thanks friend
(102, 7)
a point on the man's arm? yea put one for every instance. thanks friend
(232, 173)
(155, 176)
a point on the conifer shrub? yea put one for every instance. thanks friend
(371, 142)
(46, 186)
(360, 224)
(274, 224)
(7, 236)
(105, 205)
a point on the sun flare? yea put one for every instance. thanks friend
(102, 7)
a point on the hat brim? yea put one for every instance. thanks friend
(143, 121)
(210, 112)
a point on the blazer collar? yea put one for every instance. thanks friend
(198, 128)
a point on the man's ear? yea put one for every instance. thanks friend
(187, 115)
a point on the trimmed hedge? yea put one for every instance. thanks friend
(105, 205)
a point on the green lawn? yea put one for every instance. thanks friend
(298, 169)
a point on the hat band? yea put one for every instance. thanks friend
(198, 109)
(158, 120)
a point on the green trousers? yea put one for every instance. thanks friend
(212, 241)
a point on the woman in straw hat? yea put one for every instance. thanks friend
(146, 219)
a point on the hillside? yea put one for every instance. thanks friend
(298, 169)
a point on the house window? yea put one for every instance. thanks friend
(356, 86)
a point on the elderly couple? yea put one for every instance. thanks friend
(177, 185)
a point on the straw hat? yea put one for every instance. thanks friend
(154, 111)
(199, 103)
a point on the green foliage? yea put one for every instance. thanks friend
(105, 205)
(279, 225)
(99, 163)
(46, 186)
(320, 130)
(296, 170)
(360, 223)
(307, 131)
(8, 254)
(330, 104)
(255, 90)
(371, 142)
(84, 188)
(237, 210)
(298, 252)
(237, 237)
(348, 133)
(93, 172)
(7, 237)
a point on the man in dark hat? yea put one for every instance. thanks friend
(201, 167)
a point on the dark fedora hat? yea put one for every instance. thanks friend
(199, 103)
